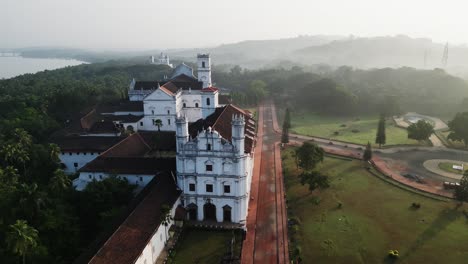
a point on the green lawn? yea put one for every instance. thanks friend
(205, 246)
(365, 128)
(375, 217)
(448, 167)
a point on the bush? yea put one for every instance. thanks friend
(355, 131)
(343, 125)
(393, 254)
(416, 205)
(336, 133)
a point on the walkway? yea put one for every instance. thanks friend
(266, 239)
(433, 165)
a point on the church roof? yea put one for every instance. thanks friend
(182, 69)
(146, 85)
(210, 89)
(127, 243)
(89, 143)
(120, 106)
(221, 120)
(130, 165)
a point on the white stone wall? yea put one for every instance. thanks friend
(70, 159)
(159, 106)
(190, 105)
(153, 249)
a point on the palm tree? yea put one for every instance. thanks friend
(158, 123)
(22, 238)
(59, 182)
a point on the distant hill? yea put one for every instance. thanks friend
(381, 52)
(256, 53)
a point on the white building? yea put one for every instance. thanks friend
(184, 94)
(162, 60)
(214, 171)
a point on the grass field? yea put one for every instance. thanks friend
(448, 167)
(365, 129)
(375, 217)
(205, 246)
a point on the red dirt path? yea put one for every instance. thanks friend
(266, 240)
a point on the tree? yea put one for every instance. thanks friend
(459, 128)
(461, 193)
(287, 118)
(158, 123)
(285, 135)
(309, 155)
(22, 238)
(315, 180)
(59, 182)
(421, 130)
(286, 126)
(367, 152)
(381, 137)
(165, 218)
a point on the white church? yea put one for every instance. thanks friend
(188, 148)
(213, 143)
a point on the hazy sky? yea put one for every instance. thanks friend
(148, 24)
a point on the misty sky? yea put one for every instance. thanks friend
(152, 24)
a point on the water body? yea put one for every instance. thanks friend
(14, 66)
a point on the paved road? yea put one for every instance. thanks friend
(266, 240)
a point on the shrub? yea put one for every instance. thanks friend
(394, 254)
(355, 131)
(336, 133)
(340, 205)
(343, 125)
(416, 205)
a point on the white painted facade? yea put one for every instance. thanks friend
(213, 171)
(74, 161)
(151, 252)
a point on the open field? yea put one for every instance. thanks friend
(375, 217)
(205, 246)
(350, 129)
(448, 167)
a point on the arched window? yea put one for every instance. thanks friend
(196, 104)
(184, 105)
(207, 101)
(203, 64)
(208, 146)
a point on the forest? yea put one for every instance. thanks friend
(37, 202)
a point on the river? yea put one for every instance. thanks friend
(14, 66)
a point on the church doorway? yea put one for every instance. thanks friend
(192, 211)
(227, 213)
(209, 211)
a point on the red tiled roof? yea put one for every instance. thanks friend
(133, 146)
(221, 120)
(128, 242)
(210, 89)
(167, 91)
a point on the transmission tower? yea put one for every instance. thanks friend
(445, 56)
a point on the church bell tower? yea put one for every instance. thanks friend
(204, 69)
